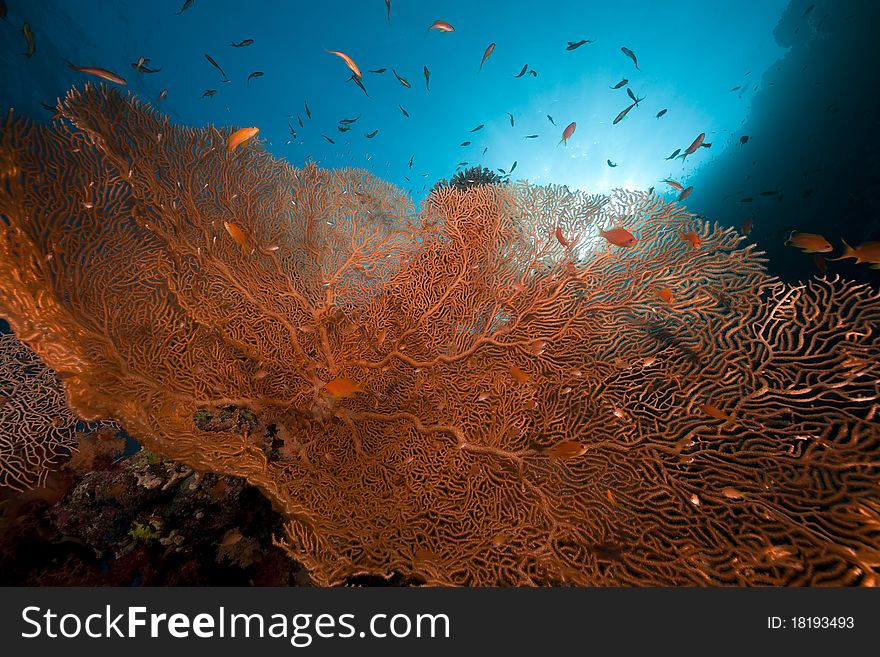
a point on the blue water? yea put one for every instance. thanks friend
(718, 68)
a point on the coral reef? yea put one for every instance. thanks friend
(725, 430)
(471, 177)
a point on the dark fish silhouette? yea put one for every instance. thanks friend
(215, 65)
(511, 118)
(402, 80)
(255, 74)
(551, 119)
(574, 45)
(636, 101)
(530, 137)
(743, 140)
(357, 81)
(676, 152)
(372, 134)
(292, 131)
(623, 114)
(343, 128)
(244, 43)
(620, 84)
(737, 87)
(610, 163)
(328, 139)
(209, 93)
(349, 121)
(427, 79)
(629, 53)
(308, 111)
(534, 74)
(186, 5)
(513, 167)
(661, 113)
(405, 113)
(523, 71)
(465, 143)
(411, 161)
(300, 121)
(485, 149)
(378, 70)
(388, 7)
(479, 127)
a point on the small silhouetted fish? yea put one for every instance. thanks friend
(244, 43)
(208, 93)
(349, 121)
(372, 134)
(706, 144)
(486, 54)
(462, 164)
(255, 74)
(533, 73)
(551, 119)
(343, 128)
(511, 118)
(623, 114)
(388, 8)
(808, 9)
(530, 137)
(523, 71)
(186, 5)
(356, 79)
(402, 80)
(411, 161)
(328, 139)
(629, 53)
(574, 45)
(308, 111)
(676, 152)
(737, 87)
(770, 192)
(300, 121)
(610, 163)
(292, 131)
(215, 64)
(743, 140)
(485, 149)
(502, 170)
(465, 143)
(479, 127)
(378, 70)
(513, 167)
(405, 113)
(29, 38)
(427, 79)
(162, 95)
(620, 84)
(661, 113)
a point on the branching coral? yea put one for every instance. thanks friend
(731, 434)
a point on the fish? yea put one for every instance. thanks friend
(349, 121)
(238, 137)
(675, 185)
(665, 295)
(341, 388)
(512, 168)
(388, 8)
(559, 236)
(141, 66)
(618, 236)
(441, 26)
(400, 79)
(479, 127)
(523, 71)
(809, 242)
(378, 70)
(348, 61)
(676, 152)
(695, 144)
(868, 252)
(465, 143)
(186, 5)
(255, 74)
(486, 55)
(636, 101)
(746, 227)
(713, 411)
(808, 9)
(292, 131)
(358, 82)
(706, 144)
(532, 137)
(620, 84)
(511, 118)
(244, 43)
(732, 493)
(411, 161)
(328, 139)
(343, 128)
(551, 119)
(238, 235)
(215, 65)
(518, 375)
(629, 53)
(568, 132)
(308, 111)
(610, 163)
(405, 113)
(736, 87)
(574, 45)
(102, 73)
(691, 237)
(209, 93)
(427, 79)
(567, 449)
(743, 140)
(661, 113)
(685, 193)
(622, 115)
(533, 73)
(370, 135)
(300, 121)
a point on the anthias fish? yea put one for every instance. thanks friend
(441, 26)
(486, 55)
(622, 115)
(867, 252)
(620, 84)
(567, 449)
(238, 235)
(629, 53)
(574, 45)
(348, 61)
(341, 388)
(102, 73)
(215, 64)
(809, 242)
(240, 136)
(618, 236)
(400, 79)
(685, 193)
(568, 132)
(242, 44)
(661, 113)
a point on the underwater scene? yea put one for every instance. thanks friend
(386, 292)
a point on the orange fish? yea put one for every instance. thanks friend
(102, 73)
(518, 375)
(732, 493)
(665, 295)
(442, 26)
(341, 388)
(808, 242)
(867, 252)
(567, 449)
(564, 242)
(675, 185)
(618, 236)
(685, 193)
(714, 411)
(694, 145)
(240, 136)
(486, 55)
(238, 235)
(747, 226)
(568, 132)
(691, 237)
(348, 61)
(538, 347)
